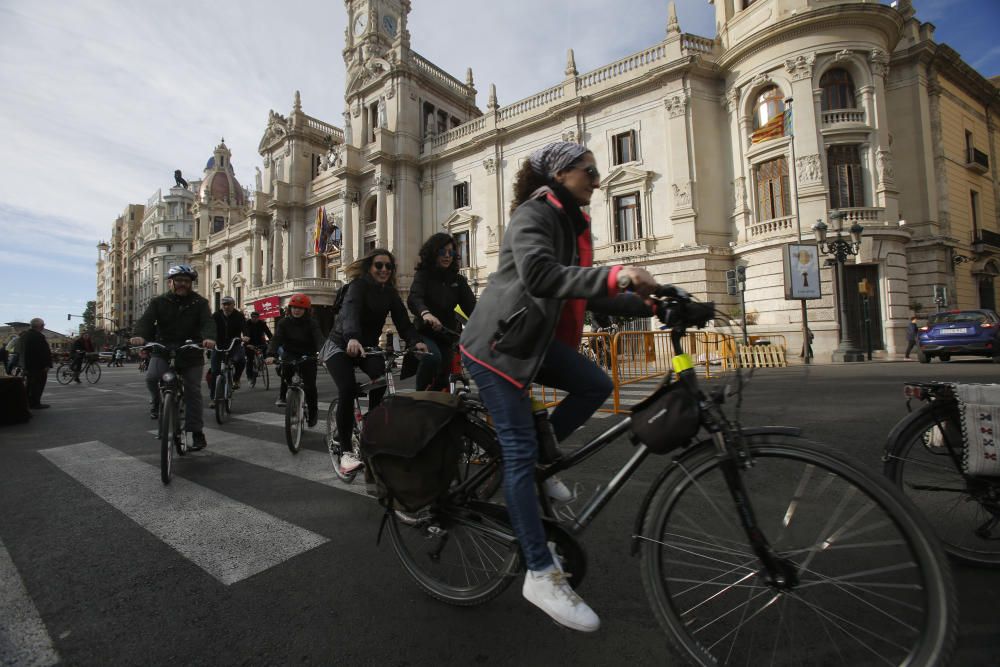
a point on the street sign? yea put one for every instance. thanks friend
(802, 279)
(268, 307)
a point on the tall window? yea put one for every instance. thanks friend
(838, 90)
(218, 224)
(773, 197)
(462, 247)
(218, 300)
(239, 296)
(844, 170)
(770, 104)
(218, 271)
(461, 195)
(974, 213)
(628, 218)
(970, 144)
(624, 147)
(239, 266)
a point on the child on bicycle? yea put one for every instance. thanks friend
(372, 296)
(437, 288)
(527, 328)
(256, 333)
(297, 335)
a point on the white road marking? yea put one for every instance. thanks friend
(228, 539)
(24, 639)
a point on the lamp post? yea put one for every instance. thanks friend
(840, 248)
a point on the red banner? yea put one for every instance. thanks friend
(268, 308)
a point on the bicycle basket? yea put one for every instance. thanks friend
(666, 419)
(413, 443)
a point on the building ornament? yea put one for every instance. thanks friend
(356, 107)
(731, 100)
(491, 235)
(884, 167)
(809, 169)
(426, 185)
(569, 134)
(843, 54)
(389, 90)
(382, 182)
(490, 164)
(740, 193)
(677, 104)
(880, 62)
(762, 79)
(682, 195)
(800, 67)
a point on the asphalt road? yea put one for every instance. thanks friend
(253, 556)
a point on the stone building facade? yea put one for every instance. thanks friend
(116, 274)
(714, 154)
(164, 239)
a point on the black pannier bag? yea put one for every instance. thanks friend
(413, 443)
(666, 419)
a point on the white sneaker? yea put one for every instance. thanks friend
(557, 491)
(349, 463)
(550, 591)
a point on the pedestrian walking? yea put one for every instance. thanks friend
(911, 336)
(36, 362)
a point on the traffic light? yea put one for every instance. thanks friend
(741, 274)
(731, 287)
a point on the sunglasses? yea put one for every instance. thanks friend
(444, 252)
(383, 266)
(591, 171)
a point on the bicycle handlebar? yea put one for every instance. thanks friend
(190, 345)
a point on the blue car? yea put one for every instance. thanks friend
(965, 332)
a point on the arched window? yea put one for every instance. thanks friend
(838, 90)
(770, 103)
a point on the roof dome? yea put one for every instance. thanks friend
(210, 163)
(220, 181)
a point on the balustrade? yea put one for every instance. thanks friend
(864, 215)
(432, 70)
(839, 116)
(773, 227)
(623, 66)
(535, 101)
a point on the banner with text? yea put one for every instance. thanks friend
(269, 307)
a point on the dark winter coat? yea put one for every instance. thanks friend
(256, 332)
(172, 320)
(297, 336)
(36, 355)
(228, 328)
(516, 317)
(439, 292)
(362, 317)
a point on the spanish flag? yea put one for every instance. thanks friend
(772, 130)
(318, 231)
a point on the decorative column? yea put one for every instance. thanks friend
(347, 244)
(382, 227)
(494, 227)
(682, 214)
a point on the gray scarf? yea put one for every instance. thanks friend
(553, 158)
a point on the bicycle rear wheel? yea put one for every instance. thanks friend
(93, 373)
(333, 445)
(64, 374)
(462, 555)
(873, 584)
(964, 511)
(168, 433)
(294, 416)
(220, 398)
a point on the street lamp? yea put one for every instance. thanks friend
(840, 248)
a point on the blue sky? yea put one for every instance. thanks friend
(102, 101)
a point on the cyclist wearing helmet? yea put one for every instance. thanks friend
(176, 316)
(229, 324)
(359, 324)
(297, 335)
(255, 334)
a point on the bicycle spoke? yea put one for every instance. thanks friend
(842, 623)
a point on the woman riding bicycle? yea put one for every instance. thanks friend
(437, 288)
(527, 328)
(255, 334)
(297, 335)
(371, 296)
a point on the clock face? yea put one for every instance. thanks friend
(389, 24)
(360, 24)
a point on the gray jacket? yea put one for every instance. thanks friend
(515, 319)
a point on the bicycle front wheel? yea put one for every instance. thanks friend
(93, 373)
(873, 586)
(294, 416)
(334, 447)
(266, 375)
(462, 555)
(64, 374)
(964, 511)
(169, 431)
(220, 399)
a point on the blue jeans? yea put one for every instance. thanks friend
(588, 387)
(432, 364)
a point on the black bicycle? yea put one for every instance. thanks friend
(256, 368)
(923, 457)
(757, 546)
(171, 424)
(223, 391)
(295, 402)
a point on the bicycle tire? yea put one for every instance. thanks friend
(293, 420)
(333, 445)
(220, 403)
(266, 374)
(168, 434)
(480, 448)
(705, 616)
(478, 565)
(64, 374)
(93, 373)
(918, 463)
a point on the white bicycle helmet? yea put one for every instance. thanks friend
(182, 270)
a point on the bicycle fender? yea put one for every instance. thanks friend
(791, 431)
(901, 426)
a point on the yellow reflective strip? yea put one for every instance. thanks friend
(683, 362)
(537, 404)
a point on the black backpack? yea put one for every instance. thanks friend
(338, 301)
(413, 443)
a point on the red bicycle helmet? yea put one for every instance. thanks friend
(300, 301)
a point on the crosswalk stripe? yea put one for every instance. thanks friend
(23, 637)
(265, 418)
(228, 539)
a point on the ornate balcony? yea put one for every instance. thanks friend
(771, 228)
(839, 117)
(631, 247)
(862, 214)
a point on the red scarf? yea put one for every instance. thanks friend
(569, 330)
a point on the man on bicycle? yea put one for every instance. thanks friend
(82, 346)
(256, 334)
(179, 315)
(229, 324)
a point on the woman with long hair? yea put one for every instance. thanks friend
(437, 289)
(527, 328)
(370, 297)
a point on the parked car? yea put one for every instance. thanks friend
(960, 332)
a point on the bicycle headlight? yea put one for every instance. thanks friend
(169, 377)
